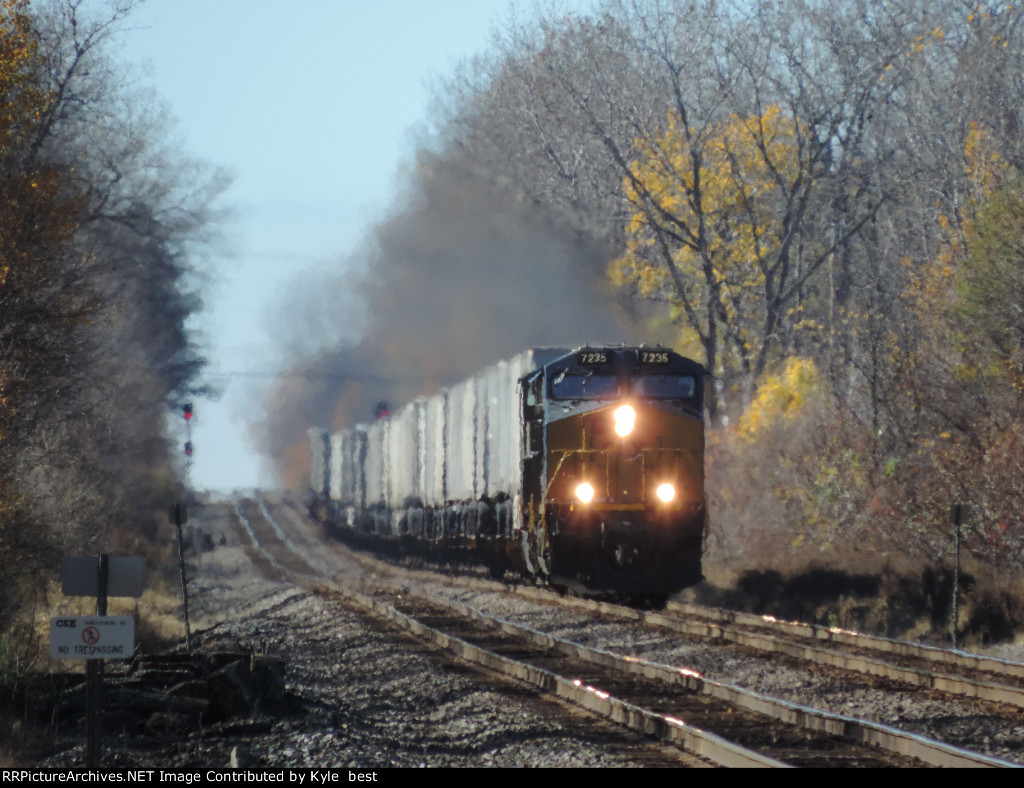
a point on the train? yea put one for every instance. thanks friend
(577, 468)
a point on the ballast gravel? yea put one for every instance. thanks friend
(360, 696)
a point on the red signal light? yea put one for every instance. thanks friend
(187, 410)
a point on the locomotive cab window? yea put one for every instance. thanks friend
(665, 386)
(565, 386)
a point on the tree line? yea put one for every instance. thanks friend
(825, 200)
(100, 217)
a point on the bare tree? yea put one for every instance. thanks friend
(102, 219)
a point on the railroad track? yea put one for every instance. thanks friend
(946, 670)
(723, 724)
(914, 665)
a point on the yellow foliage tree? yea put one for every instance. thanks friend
(781, 397)
(39, 297)
(936, 287)
(20, 100)
(720, 230)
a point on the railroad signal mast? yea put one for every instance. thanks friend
(186, 410)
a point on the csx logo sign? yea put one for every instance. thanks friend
(69, 623)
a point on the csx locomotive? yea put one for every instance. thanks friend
(580, 468)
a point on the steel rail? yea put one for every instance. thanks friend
(917, 677)
(689, 738)
(891, 739)
(727, 631)
(903, 648)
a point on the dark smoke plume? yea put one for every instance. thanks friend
(458, 279)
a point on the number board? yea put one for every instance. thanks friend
(656, 357)
(593, 358)
(644, 357)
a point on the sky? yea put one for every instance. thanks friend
(314, 107)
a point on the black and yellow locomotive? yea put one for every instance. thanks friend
(613, 475)
(581, 468)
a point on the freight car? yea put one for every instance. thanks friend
(580, 468)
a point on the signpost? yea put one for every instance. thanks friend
(958, 520)
(179, 516)
(94, 638)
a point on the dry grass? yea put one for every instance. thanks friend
(30, 679)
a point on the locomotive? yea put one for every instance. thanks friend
(583, 469)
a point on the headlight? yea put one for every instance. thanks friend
(666, 493)
(585, 492)
(625, 420)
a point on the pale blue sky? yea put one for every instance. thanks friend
(314, 106)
